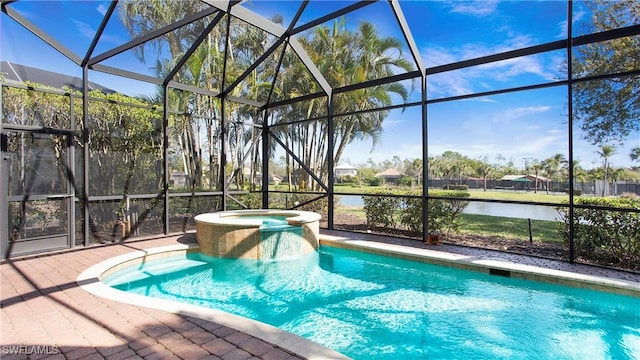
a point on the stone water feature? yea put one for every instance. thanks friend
(258, 234)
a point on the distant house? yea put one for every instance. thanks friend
(257, 176)
(275, 179)
(390, 176)
(178, 179)
(522, 182)
(17, 73)
(523, 178)
(344, 170)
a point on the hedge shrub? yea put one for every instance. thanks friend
(381, 208)
(611, 237)
(387, 208)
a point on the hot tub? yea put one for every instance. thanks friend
(258, 234)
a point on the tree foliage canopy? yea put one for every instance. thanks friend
(608, 110)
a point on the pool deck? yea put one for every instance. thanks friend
(45, 313)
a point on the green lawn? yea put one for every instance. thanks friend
(511, 228)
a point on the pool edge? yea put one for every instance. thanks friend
(488, 265)
(90, 281)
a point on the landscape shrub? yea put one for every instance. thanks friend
(443, 213)
(606, 236)
(576, 192)
(251, 200)
(380, 208)
(373, 181)
(405, 208)
(406, 181)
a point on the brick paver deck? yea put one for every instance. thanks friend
(45, 314)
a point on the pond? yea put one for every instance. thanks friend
(522, 211)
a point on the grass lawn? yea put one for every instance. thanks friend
(511, 228)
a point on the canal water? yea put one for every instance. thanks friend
(522, 211)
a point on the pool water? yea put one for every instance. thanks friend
(258, 217)
(376, 307)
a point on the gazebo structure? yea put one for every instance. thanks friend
(231, 86)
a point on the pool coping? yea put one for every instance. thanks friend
(90, 281)
(488, 264)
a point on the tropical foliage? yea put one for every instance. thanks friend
(343, 56)
(608, 110)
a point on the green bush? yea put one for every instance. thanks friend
(374, 181)
(406, 181)
(576, 192)
(607, 236)
(443, 213)
(250, 200)
(405, 208)
(380, 208)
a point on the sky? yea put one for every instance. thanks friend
(514, 127)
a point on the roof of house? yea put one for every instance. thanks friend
(346, 167)
(528, 176)
(512, 177)
(22, 73)
(390, 173)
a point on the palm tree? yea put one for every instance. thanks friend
(579, 174)
(552, 166)
(536, 166)
(484, 170)
(605, 152)
(635, 154)
(344, 57)
(616, 174)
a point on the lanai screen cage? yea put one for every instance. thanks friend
(124, 119)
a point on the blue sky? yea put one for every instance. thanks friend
(510, 126)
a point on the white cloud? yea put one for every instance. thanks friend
(390, 123)
(478, 78)
(474, 8)
(507, 69)
(578, 15)
(542, 146)
(102, 9)
(84, 29)
(449, 84)
(511, 114)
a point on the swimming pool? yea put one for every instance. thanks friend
(377, 307)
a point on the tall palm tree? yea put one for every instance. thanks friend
(348, 57)
(605, 152)
(579, 174)
(536, 166)
(552, 167)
